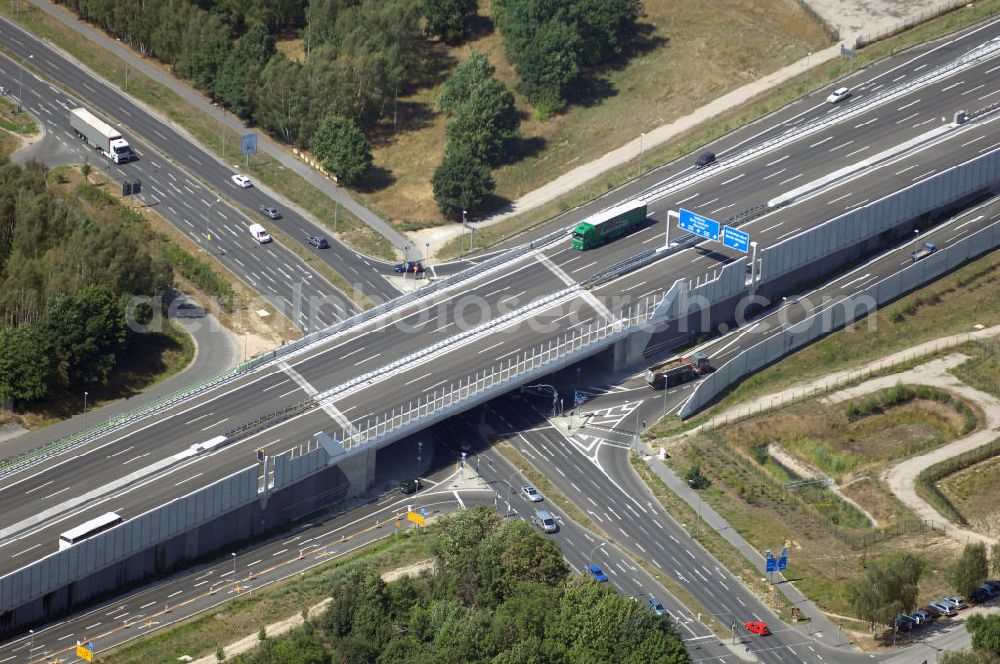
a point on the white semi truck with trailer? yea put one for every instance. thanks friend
(100, 135)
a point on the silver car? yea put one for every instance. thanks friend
(945, 608)
(545, 521)
(531, 493)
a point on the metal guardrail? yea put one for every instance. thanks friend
(73, 441)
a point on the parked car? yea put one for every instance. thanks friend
(904, 623)
(241, 181)
(757, 627)
(318, 241)
(839, 94)
(410, 486)
(994, 585)
(531, 493)
(413, 267)
(657, 606)
(921, 618)
(704, 159)
(956, 601)
(945, 608)
(598, 574)
(270, 212)
(932, 611)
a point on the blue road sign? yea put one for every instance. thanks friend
(735, 239)
(783, 561)
(772, 564)
(248, 144)
(699, 225)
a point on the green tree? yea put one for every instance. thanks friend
(968, 656)
(514, 553)
(889, 587)
(604, 26)
(220, 654)
(985, 630)
(461, 182)
(446, 18)
(26, 370)
(237, 79)
(970, 570)
(467, 76)
(995, 558)
(547, 65)
(696, 479)
(87, 331)
(486, 122)
(298, 649)
(280, 98)
(342, 146)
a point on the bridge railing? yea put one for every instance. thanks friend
(561, 350)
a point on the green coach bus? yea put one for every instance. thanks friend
(609, 225)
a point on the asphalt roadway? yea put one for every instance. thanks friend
(58, 485)
(162, 604)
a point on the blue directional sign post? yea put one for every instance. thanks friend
(735, 239)
(699, 225)
(248, 146)
(783, 561)
(770, 565)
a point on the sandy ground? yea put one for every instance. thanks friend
(854, 18)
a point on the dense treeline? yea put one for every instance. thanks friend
(550, 43)
(64, 282)
(359, 55)
(503, 595)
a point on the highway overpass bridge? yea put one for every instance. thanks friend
(374, 380)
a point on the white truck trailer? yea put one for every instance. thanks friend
(100, 135)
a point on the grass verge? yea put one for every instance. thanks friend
(724, 123)
(928, 478)
(201, 635)
(207, 130)
(982, 369)
(828, 540)
(553, 494)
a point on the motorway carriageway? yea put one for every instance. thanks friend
(314, 369)
(201, 588)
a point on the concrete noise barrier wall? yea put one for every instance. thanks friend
(859, 305)
(135, 535)
(868, 222)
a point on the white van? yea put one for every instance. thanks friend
(259, 233)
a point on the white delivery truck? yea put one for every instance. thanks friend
(100, 135)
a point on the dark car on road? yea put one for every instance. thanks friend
(318, 241)
(410, 486)
(705, 159)
(270, 211)
(413, 267)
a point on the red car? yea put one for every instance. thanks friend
(757, 628)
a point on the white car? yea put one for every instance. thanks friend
(531, 493)
(241, 181)
(839, 95)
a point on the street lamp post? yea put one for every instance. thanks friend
(20, 76)
(31, 642)
(808, 71)
(465, 227)
(642, 137)
(84, 409)
(233, 554)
